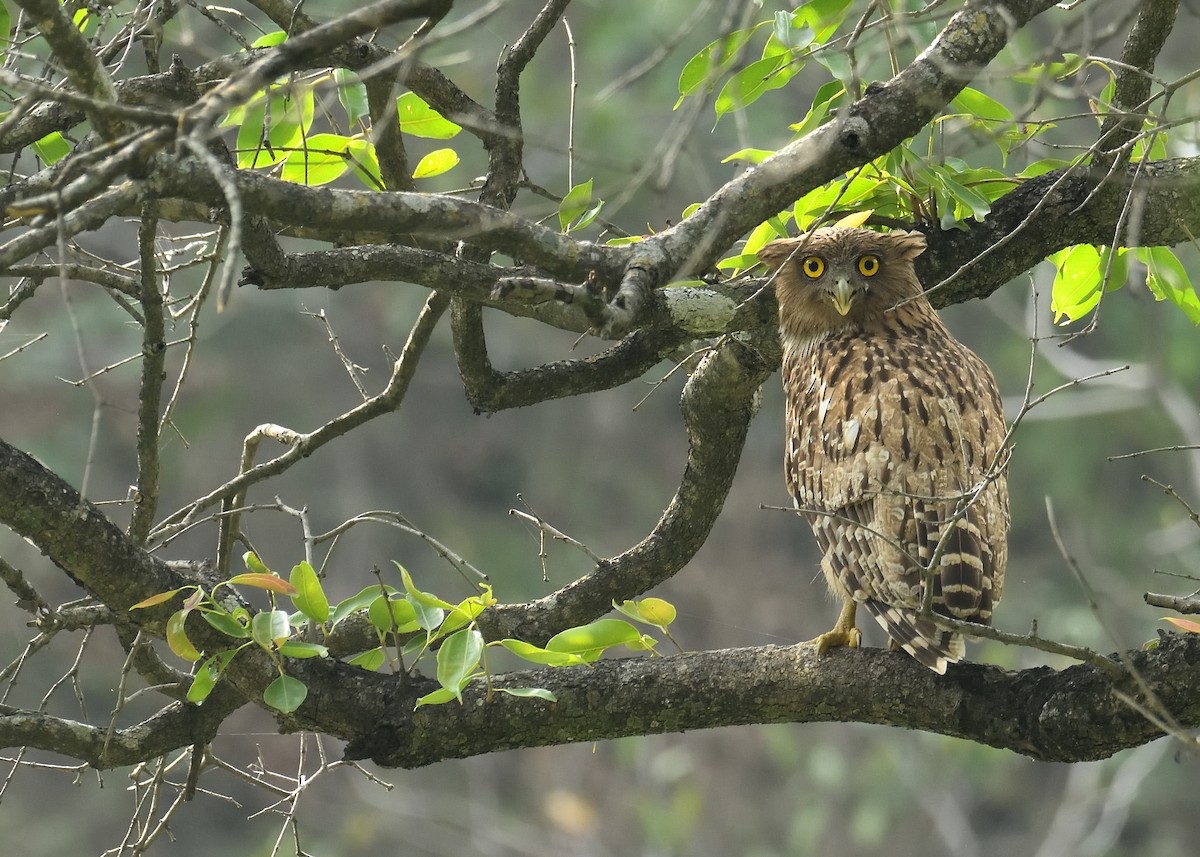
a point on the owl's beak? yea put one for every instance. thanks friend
(842, 296)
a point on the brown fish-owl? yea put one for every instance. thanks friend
(895, 433)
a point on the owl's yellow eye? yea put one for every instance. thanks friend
(813, 266)
(868, 266)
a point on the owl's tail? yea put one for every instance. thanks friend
(921, 638)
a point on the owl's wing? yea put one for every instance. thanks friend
(882, 462)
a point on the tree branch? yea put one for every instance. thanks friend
(1067, 716)
(1145, 42)
(718, 404)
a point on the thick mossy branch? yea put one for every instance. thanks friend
(1069, 716)
(1054, 211)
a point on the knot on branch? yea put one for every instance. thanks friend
(853, 133)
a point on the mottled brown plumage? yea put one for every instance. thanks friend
(894, 428)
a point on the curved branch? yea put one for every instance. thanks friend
(489, 390)
(718, 404)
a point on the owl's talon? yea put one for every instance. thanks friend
(835, 638)
(843, 633)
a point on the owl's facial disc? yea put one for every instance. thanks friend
(842, 294)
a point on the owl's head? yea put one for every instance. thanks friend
(836, 277)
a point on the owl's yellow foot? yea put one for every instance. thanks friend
(843, 633)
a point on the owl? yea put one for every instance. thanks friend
(894, 443)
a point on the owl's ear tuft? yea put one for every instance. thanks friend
(910, 245)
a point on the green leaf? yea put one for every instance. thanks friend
(527, 692)
(428, 618)
(538, 655)
(379, 613)
(1076, 289)
(5, 24)
(575, 203)
(354, 603)
(285, 694)
(435, 163)
(1152, 146)
(419, 119)
(1041, 72)
(370, 660)
(352, 94)
(225, 623)
(428, 599)
(270, 40)
(790, 32)
(765, 233)
(644, 643)
(463, 613)
(414, 649)
(837, 63)
(316, 160)
(310, 598)
(839, 195)
(253, 563)
(270, 628)
(52, 148)
(437, 697)
(207, 675)
(981, 106)
(297, 649)
(388, 615)
(458, 658)
(1045, 165)
(706, 67)
(177, 638)
(590, 641)
(272, 125)
(756, 79)
(748, 156)
(824, 16)
(203, 682)
(652, 611)
(967, 202)
(364, 162)
(828, 98)
(738, 262)
(1168, 280)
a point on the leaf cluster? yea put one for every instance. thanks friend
(410, 623)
